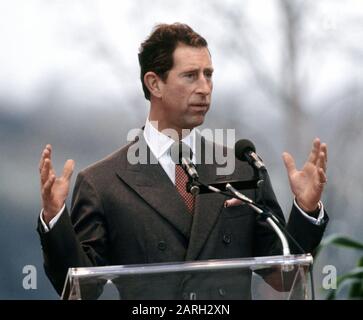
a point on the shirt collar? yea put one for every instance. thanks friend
(159, 143)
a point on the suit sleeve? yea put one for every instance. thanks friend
(79, 240)
(306, 234)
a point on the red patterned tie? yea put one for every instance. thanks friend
(181, 180)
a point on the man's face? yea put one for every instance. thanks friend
(186, 93)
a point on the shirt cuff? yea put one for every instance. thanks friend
(317, 221)
(52, 222)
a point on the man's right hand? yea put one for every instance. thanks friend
(54, 190)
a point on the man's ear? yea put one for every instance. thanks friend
(154, 83)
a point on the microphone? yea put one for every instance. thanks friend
(181, 154)
(245, 151)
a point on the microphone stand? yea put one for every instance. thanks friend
(266, 215)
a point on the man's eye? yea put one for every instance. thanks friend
(190, 75)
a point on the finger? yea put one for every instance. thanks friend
(68, 169)
(45, 155)
(321, 161)
(289, 163)
(324, 148)
(41, 161)
(47, 188)
(44, 173)
(314, 154)
(322, 177)
(232, 203)
(49, 147)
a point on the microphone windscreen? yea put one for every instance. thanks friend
(180, 150)
(241, 147)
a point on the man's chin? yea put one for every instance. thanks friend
(196, 122)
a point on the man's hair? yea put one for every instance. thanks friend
(156, 52)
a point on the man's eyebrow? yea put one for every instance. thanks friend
(210, 69)
(188, 70)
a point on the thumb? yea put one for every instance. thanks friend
(68, 169)
(289, 162)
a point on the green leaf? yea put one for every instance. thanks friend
(356, 273)
(343, 284)
(356, 290)
(339, 240)
(351, 278)
(354, 278)
(331, 295)
(360, 262)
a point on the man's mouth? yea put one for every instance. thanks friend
(200, 105)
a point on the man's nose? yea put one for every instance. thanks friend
(204, 85)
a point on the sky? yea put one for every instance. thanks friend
(66, 42)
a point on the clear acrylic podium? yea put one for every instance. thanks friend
(259, 278)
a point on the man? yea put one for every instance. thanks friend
(126, 213)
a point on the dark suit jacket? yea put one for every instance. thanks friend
(132, 214)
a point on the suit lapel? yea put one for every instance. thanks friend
(207, 209)
(208, 206)
(153, 185)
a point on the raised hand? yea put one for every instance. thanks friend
(54, 190)
(308, 183)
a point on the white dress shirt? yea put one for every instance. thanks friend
(160, 144)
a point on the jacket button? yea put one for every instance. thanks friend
(227, 238)
(222, 292)
(162, 245)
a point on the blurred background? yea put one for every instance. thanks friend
(286, 71)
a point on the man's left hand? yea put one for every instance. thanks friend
(308, 183)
